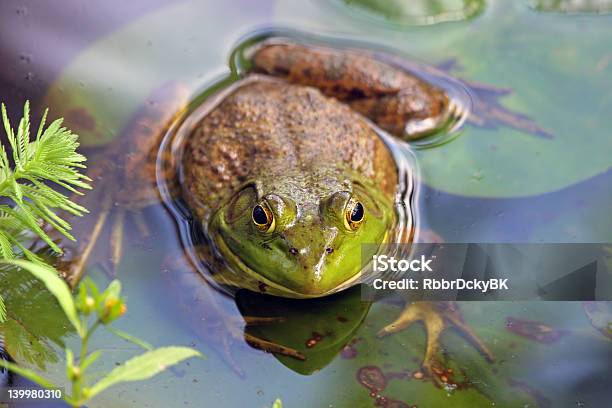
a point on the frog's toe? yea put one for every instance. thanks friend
(407, 317)
(265, 345)
(436, 317)
(259, 321)
(116, 240)
(454, 318)
(270, 347)
(73, 267)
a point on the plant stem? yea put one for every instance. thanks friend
(77, 382)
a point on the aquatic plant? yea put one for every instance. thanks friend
(87, 311)
(29, 203)
(29, 206)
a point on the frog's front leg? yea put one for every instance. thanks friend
(394, 99)
(125, 182)
(436, 317)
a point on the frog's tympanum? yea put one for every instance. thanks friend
(291, 169)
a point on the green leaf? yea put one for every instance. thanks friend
(128, 337)
(69, 363)
(28, 220)
(90, 359)
(42, 125)
(2, 310)
(7, 127)
(52, 157)
(56, 286)
(93, 289)
(113, 289)
(144, 366)
(278, 403)
(29, 374)
(23, 138)
(6, 248)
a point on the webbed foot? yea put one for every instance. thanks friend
(436, 317)
(487, 110)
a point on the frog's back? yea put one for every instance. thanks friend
(266, 128)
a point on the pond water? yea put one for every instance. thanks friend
(99, 66)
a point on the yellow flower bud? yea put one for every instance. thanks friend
(74, 373)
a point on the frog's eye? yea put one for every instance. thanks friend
(263, 218)
(354, 214)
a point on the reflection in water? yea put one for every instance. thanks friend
(318, 328)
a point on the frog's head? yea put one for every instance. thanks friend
(302, 235)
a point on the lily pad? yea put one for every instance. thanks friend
(571, 6)
(420, 12)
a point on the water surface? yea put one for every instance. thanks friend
(486, 185)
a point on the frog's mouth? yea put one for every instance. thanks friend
(233, 260)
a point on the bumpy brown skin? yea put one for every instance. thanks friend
(276, 132)
(389, 96)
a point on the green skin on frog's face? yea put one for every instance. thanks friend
(301, 233)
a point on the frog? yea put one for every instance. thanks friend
(287, 173)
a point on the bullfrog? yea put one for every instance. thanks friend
(287, 173)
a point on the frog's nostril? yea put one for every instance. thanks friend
(329, 250)
(293, 250)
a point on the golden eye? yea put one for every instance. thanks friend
(263, 218)
(354, 215)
